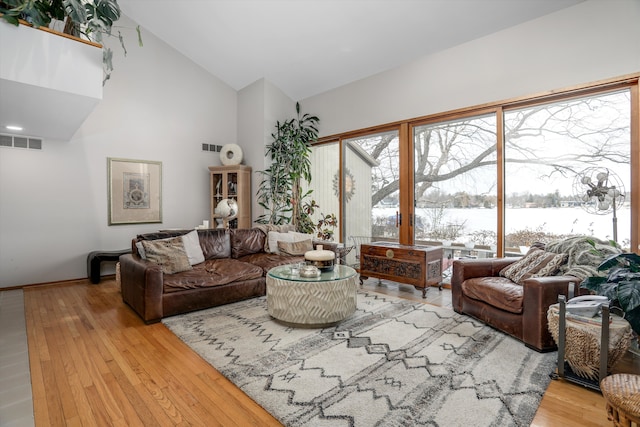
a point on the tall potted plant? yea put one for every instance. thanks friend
(280, 191)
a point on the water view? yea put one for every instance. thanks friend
(557, 221)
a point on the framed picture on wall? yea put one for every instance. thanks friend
(135, 191)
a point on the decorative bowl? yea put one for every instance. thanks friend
(309, 271)
(322, 259)
(323, 265)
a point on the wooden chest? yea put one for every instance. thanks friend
(420, 266)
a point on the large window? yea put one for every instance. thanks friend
(493, 180)
(455, 182)
(567, 167)
(371, 194)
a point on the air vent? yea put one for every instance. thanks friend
(211, 147)
(20, 142)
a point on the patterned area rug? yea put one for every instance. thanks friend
(392, 363)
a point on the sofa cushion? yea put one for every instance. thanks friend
(498, 292)
(273, 237)
(266, 228)
(295, 248)
(215, 243)
(289, 237)
(246, 242)
(536, 263)
(212, 272)
(190, 240)
(192, 247)
(268, 261)
(158, 235)
(168, 253)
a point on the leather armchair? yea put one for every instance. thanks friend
(520, 311)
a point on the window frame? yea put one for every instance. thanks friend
(405, 130)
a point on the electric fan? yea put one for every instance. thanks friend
(601, 192)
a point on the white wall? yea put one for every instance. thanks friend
(260, 106)
(588, 42)
(157, 106)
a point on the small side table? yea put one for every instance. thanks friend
(587, 347)
(95, 258)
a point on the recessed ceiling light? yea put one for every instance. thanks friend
(12, 127)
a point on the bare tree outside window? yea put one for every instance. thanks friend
(546, 147)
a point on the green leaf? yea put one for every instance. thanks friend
(631, 260)
(122, 43)
(593, 283)
(139, 36)
(76, 10)
(633, 317)
(629, 295)
(11, 19)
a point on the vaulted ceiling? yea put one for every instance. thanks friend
(306, 47)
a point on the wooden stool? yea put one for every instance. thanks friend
(622, 393)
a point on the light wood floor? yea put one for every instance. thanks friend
(94, 362)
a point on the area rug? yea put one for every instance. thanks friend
(393, 363)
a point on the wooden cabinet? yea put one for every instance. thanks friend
(420, 266)
(231, 182)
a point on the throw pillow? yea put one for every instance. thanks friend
(536, 263)
(246, 241)
(140, 249)
(295, 248)
(299, 237)
(274, 237)
(192, 247)
(168, 253)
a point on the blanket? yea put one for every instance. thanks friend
(584, 253)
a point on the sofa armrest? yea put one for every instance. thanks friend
(142, 286)
(467, 268)
(539, 294)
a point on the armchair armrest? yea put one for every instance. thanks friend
(539, 294)
(466, 268)
(142, 286)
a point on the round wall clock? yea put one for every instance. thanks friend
(349, 184)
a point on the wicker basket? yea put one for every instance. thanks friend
(582, 348)
(622, 393)
(118, 274)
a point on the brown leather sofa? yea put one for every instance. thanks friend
(234, 269)
(520, 311)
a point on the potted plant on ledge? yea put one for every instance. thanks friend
(83, 19)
